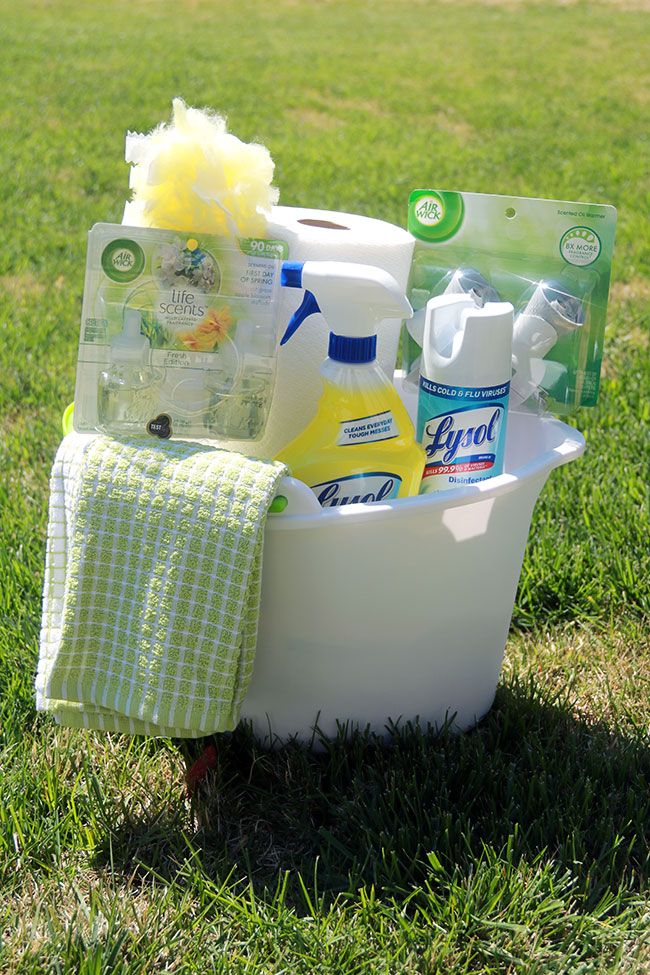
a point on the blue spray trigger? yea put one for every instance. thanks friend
(291, 274)
(308, 307)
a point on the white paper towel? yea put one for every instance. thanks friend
(323, 235)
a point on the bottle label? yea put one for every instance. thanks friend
(368, 429)
(462, 429)
(368, 488)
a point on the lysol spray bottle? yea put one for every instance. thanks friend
(360, 446)
(464, 389)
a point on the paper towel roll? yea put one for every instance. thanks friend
(323, 235)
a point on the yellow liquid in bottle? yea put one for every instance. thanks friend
(360, 446)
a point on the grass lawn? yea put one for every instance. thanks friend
(521, 847)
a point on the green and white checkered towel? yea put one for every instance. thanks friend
(152, 585)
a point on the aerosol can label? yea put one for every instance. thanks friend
(463, 432)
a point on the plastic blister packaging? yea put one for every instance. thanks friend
(179, 334)
(551, 260)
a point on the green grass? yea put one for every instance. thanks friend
(521, 847)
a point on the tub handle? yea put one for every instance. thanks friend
(295, 498)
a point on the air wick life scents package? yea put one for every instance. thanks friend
(550, 259)
(178, 334)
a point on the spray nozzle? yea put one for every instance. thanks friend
(353, 298)
(455, 322)
(466, 281)
(291, 277)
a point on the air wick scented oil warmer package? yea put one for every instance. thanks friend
(178, 334)
(550, 259)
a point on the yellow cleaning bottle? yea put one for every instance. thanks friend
(360, 446)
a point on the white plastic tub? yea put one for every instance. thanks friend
(398, 610)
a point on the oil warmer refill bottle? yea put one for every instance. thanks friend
(125, 386)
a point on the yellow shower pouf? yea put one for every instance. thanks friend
(193, 175)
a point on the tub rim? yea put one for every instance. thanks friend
(308, 514)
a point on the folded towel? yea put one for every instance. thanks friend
(152, 585)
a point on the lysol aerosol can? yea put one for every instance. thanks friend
(464, 388)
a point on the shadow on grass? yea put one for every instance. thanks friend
(532, 779)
